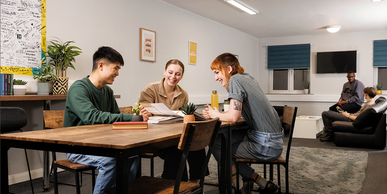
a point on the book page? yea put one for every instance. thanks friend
(161, 109)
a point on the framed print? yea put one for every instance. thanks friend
(192, 53)
(147, 45)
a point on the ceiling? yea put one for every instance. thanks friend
(292, 17)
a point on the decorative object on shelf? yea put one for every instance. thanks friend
(379, 88)
(62, 56)
(147, 45)
(306, 87)
(188, 111)
(46, 78)
(19, 87)
(6, 84)
(136, 113)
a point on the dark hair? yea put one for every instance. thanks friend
(223, 61)
(370, 91)
(107, 53)
(350, 72)
(175, 62)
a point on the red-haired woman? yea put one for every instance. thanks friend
(264, 138)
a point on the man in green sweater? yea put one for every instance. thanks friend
(90, 101)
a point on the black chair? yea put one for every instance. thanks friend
(368, 130)
(288, 121)
(54, 119)
(195, 136)
(12, 120)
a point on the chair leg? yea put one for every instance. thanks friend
(237, 176)
(29, 171)
(77, 183)
(271, 172)
(279, 178)
(264, 171)
(55, 179)
(287, 179)
(152, 164)
(93, 179)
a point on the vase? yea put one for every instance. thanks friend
(137, 118)
(61, 86)
(44, 88)
(188, 118)
(378, 92)
(306, 91)
(19, 89)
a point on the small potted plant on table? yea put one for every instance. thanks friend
(19, 87)
(188, 111)
(136, 113)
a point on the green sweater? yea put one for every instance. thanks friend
(88, 105)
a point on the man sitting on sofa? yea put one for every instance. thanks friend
(329, 117)
(352, 95)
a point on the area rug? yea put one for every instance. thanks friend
(316, 170)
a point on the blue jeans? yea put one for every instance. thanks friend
(252, 145)
(106, 166)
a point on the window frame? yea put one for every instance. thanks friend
(290, 83)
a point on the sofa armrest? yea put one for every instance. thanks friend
(347, 127)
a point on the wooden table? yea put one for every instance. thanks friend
(103, 141)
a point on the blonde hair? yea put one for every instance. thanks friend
(223, 61)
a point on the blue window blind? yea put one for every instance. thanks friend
(380, 53)
(288, 56)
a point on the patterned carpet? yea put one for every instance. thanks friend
(316, 170)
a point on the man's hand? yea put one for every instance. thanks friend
(210, 112)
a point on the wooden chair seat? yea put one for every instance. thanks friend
(151, 185)
(280, 160)
(74, 166)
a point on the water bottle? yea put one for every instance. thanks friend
(214, 99)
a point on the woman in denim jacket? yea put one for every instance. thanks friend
(264, 138)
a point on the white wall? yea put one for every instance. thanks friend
(117, 23)
(326, 88)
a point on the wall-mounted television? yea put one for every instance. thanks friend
(336, 62)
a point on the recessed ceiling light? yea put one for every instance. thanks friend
(376, 0)
(242, 6)
(333, 29)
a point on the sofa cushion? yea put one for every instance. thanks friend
(368, 118)
(347, 127)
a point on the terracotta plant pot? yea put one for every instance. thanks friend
(188, 118)
(137, 118)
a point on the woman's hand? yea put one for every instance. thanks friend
(210, 112)
(144, 113)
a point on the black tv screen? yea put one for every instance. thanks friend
(336, 62)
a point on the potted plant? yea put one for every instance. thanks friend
(136, 113)
(46, 77)
(62, 56)
(188, 111)
(19, 87)
(306, 87)
(378, 88)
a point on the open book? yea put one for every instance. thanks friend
(162, 114)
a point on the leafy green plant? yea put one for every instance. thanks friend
(46, 73)
(306, 85)
(62, 55)
(189, 109)
(136, 111)
(379, 86)
(19, 82)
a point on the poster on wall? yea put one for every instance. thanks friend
(193, 52)
(147, 45)
(20, 36)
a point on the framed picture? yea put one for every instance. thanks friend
(193, 52)
(147, 45)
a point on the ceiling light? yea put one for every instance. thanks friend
(242, 6)
(376, 0)
(333, 29)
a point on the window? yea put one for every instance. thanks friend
(288, 80)
(382, 77)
